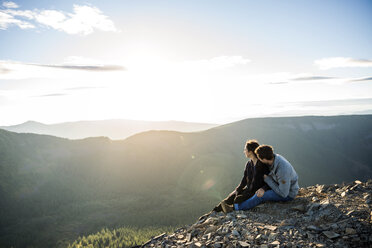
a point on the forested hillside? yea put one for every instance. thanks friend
(55, 189)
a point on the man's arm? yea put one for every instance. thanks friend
(283, 185)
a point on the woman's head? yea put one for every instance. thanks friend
(250, 147)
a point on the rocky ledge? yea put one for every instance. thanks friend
(320, 216)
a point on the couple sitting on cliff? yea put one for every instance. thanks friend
(267, 177)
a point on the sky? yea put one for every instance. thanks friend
(196, 61)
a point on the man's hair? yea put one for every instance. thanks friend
(251, 145)
(265, 152)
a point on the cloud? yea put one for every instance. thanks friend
(322, 107)
(21, 70)
(84, 88)
(85, 67)
(361, 79)
(278, 83)
(10, 5)
(340, 62)
(340, 102)
(328, 80)
(55, 94)
(7, 20)
(331, 80)
(28, 14)
(83, 20)
(289, 78)
(311, 78)
(4, 70)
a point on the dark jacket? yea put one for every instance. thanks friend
(253, 178)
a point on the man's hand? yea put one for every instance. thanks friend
(260, 192)
(265, 176)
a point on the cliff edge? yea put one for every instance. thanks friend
(336, 215)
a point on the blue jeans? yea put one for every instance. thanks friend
(269, 195)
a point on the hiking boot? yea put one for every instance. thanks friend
(226, 207)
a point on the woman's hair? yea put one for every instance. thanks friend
(265, 152)
(251, 146)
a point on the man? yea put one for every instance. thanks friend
(252, 179)
(282, 179)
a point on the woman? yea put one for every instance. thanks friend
(252, 180)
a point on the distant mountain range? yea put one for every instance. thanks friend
(54, 189)
(114, 129)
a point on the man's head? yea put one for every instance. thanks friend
(265, 154)
(250, 147)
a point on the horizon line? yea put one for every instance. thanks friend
(194, 122)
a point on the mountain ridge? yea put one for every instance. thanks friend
(112, 128)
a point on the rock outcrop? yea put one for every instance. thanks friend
(320, 216)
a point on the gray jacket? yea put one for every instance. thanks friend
(283, 178)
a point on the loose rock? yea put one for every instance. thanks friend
(320, 216)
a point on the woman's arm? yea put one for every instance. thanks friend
(243, 182)
(258, 181)
(261, 185)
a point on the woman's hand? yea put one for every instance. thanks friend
(260, 192)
